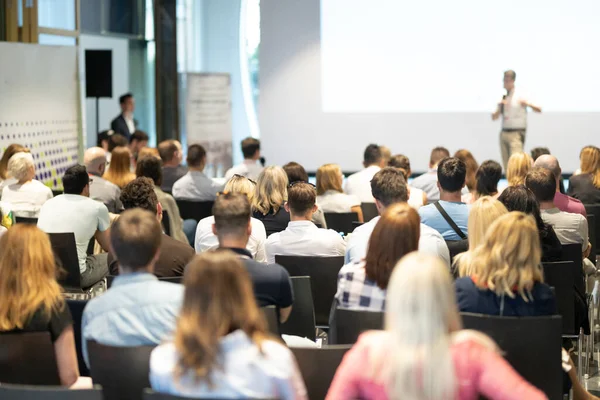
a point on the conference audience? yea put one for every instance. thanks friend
(417, 197)
(206, 239)
(302, 237)
(519, 198)
(536, 152)
(357, 184)
(138, 309)
(296, 173)
(232, 226)
(428, 182)
(150, 167)
(124, 124)
(586, 186)
(388, 187)
(221, 347)
(119, 170)
(269, 197)
(449, 215)
(470, 179)
(519, 164)
(362, 284)
(562, 201)
(422, 319)
(137, 141)
(171, 153)
(11, 150)
(194, 185)
(249, 168)
(506, 275)
(31, 299)
(75, 212)
(482, 214)
(101, 190)
(173, 255)
(27, 195)
(487, 177)
(330, 195)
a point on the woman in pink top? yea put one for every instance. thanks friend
(433, 359)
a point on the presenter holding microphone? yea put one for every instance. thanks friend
(513, 110)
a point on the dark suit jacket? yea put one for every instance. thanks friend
(120, 126)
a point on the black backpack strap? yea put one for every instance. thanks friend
(449, 220)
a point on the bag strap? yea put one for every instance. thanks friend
(449, 220)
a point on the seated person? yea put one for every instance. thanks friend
(428, 182)
(519, 164)
(221, 347)
(119, 169)
(451, 174)
(506, 275)
(302, 237)
(586, 186)
(75, 212)
(174, 255)
(27, 195)
(205, 238)
(487, 177)
(137, 141)
(362, 284)
(249, 168)
(11, 150)
(101, 190)
(233, 227)
(421, 318)
(269, 197)
(138, 309)
(36, 303)
(330, 195)
(195, 186)
(296, 173)
(171, 153)
(417, 197)
(562, 201)
(357, 184)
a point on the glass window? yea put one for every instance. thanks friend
(56, 40)
(58, 14)
(253, 45)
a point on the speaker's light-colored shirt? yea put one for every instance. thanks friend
(514, 115)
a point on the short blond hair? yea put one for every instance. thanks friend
(19, 165)
(519, 164)
(329, 177)
(271, 190)
(242, 185)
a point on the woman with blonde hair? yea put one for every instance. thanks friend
(586, 186)
(205, 238)
(423, 353)
(471, 181)
(221, 347)
(330, 195)
(416, 197)
(119, 170)
(11, 150)
(270, 195)
(519, 164)
(31, 300)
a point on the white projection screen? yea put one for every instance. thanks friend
(336, 75)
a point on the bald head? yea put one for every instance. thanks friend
(94, 159)
(550, 162)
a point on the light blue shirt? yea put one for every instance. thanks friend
(137, 310)
(195, 186)
(459, 212)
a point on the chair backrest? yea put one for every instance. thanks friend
(26, 392)
(592, 221)
(323, 272)
(166, 223)
(573, 252)
(25, 220)
(456, 247)
(76, 307)
(369, 211)
(28, 359)
(195, 210)
(532, 345)
(57, 192)
(172, 279)
(561, 276)
(301, 321)
(594, 209)
(318, 367)
(65, 254)
(150, 395)
(123, 372)
(341, 222)
(347, 325)
(272, 319)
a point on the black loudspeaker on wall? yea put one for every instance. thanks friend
(98, 73)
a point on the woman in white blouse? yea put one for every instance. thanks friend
(221, 348)
(417, 197)
(330, 195)
(27, 195)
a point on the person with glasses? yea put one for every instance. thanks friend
(101, 190)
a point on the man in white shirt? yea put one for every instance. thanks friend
(302, 237)
(101, 190)
(358, 184)
(389, 187)
(249, 168)
(195, 186)
(427, 182)
(125, 124)
(513, 109)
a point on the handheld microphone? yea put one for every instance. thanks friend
(502, 105)
(262, 161)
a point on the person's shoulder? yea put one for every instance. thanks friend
(273, 238)
(465, 283)
(163, 358)
(542, 291)
(176, 246)
(206, 222)
(427, 210)
(352, 267)
(430, 233)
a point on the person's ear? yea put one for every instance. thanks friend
(214, 229)
(315, 208)
(287, 207)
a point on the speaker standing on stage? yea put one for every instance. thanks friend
(513, 109)
(124, 123)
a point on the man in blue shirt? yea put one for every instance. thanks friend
(451, 175)
(138, 309)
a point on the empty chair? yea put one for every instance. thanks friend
(270, 314)
(561, 276)
(24, 392)
(347, 325)
(195, 210)
(341, 222)
(301, 321)
(369, 211)
(28, 359)
(76, 308)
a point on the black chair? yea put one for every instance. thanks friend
(28, 359)
(65, 253)
(76, 307)
(172, 279)
(195, 210)
(369, 211)
(523, 340)
(272, 319)
(166, 223)
(25, 392)
(57, 192)
(573, 252)
(594, 209)
(323, 272)
(123, 372)
(24, 220)
(346, 325)
(561, 276)
(318, 367)
(341, 222)
(592, 221)
(150, 395)
(301, 321)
